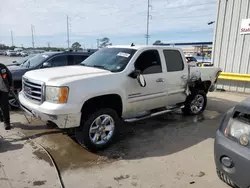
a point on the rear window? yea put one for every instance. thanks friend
(173, 60)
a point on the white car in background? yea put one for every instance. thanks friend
(11, 53)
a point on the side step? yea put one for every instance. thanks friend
(149, 115)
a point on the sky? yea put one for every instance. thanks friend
(122, 21)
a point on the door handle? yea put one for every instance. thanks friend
(160, 80)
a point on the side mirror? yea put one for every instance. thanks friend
(13, 61)
(136, 74)
(46, 65)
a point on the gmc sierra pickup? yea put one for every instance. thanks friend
(116, 84)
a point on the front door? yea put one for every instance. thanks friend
(153, 94)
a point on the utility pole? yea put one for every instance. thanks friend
(68, 31)
(97, 43)
(32, 35)
(48, 44)
(148, 16)
(12, 41)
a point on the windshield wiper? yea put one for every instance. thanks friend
(99, 66)
(96, 66)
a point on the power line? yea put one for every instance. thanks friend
(32, 35)
(166, 18)
(194, 5)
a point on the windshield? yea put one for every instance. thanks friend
(22, 60)
(36, 60)
(112, 59)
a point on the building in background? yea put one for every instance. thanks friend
(231, 46)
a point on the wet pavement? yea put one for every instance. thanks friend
(171, 150)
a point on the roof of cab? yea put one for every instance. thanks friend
(137, 47)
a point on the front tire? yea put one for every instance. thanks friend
(98, 130)
(195, 103)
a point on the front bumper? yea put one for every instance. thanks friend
(240, 157)
(50, 113)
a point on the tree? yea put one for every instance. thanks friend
(157, 42)
(76, 46)
(104, 42)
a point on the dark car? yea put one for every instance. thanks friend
(40, 61)
(232, 146)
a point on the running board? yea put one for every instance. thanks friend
(130, 120)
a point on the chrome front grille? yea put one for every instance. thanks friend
(33, 90)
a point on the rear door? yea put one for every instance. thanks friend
(60, 60)
(176, 76)
(79, 58)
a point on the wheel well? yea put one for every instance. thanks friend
(202, 85)
(112, 101)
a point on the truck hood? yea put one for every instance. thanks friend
(68, 72)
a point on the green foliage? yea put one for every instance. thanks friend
(76, 46)
(104, 42)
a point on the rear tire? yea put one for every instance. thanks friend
(195, 103)
(93, 126)
(225, 179)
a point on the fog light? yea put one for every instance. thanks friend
(244, 140)
(227, 162)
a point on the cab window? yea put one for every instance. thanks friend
(149, 62)
(173, 60)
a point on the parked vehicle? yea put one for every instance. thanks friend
(24, 53)
(232, 146)
(2, 52)
(116, 84)
(41, 61)
(11, 53)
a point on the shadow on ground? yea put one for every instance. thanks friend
(6, 145)
(160, 136)
(169, 133)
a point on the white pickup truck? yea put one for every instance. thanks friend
(116, 84)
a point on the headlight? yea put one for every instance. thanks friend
(238, 130)
(56, 94)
